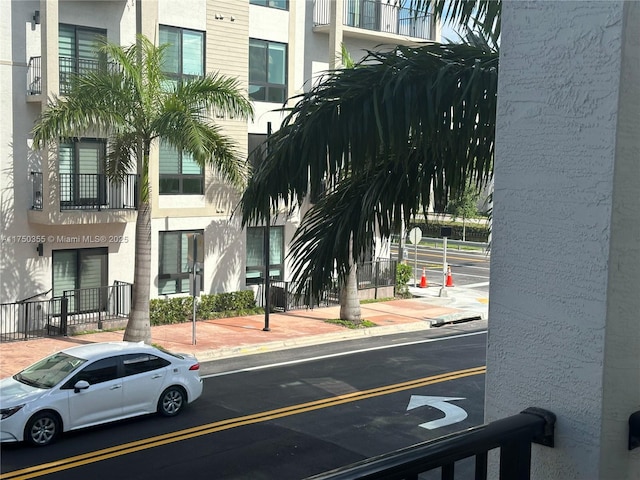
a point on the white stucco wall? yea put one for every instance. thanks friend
(563, 330)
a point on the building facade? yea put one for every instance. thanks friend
(66, 226)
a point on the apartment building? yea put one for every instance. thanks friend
(66, 226)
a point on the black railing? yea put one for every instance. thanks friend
(95, 305)
(284, 297)
(34, 76)
(381, 273)
(70, 66)
(94, 191)
(36, 190)
(377, 16)
(513, 437)
(29, 318)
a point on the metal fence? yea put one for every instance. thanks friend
(95, 191)
(34, 76)
(284, 296)
(29, 319)
(36, 190)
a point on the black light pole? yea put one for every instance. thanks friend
(267, 256)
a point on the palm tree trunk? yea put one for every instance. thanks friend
(139, 327)
(349, 301)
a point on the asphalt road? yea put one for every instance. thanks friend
(287, 415)
(469, 268)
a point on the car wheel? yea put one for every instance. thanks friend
(171, 401)
(42, 429)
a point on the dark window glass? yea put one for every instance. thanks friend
(279, 4)
(179, 172)
(140, 363)
(184, 56)
(267, 71)
(97, 372)
(255, 254)
(173, 262)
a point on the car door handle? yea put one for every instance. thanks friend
(157, 376)
(115, 387)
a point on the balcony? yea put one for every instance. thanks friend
(381, 19)
(68, 66)
(81, 193)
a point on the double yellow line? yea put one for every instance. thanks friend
(157, 441)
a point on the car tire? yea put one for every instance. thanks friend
(172, 401)
(42, 429)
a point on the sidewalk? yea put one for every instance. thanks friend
(228, 337)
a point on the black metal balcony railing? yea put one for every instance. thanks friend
(70, 66)
(377, 16)
(34, 76)
(89, 191)
(94, 191)
(36, 190)
(513, 436)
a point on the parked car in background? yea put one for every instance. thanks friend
(94, 384)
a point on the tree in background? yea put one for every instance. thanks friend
(133, 104)
(399, 129)
(464, 204)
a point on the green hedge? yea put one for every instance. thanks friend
(474, 232)
(165, 311)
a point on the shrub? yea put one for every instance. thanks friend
(218, 305)
(403, 275)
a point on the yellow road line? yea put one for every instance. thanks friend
(193, 432)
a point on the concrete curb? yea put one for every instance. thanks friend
(242, 350)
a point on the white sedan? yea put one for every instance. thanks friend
(93, 384)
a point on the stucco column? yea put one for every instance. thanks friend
(336, 25)
(564, 325)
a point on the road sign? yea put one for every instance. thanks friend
(452, 413)
(415, 235)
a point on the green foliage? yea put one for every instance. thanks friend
(351, 325)
(465, 203)
(168, 311)
(220, 305)
(403, 275)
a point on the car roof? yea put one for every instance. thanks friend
(92, 351)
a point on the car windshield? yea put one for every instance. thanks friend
(49, 371)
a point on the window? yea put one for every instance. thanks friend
(84, 269)
(267, 71)
(77, 52)
(174, 265)
(184, 56)
(100, 371)
(257, 148)
(142, 362)
(179, 173)
(255, 254)
(280, 4)
(82, 182)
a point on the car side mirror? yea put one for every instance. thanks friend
(80, 385)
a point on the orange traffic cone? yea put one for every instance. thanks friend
(449, 277)
(423, 280)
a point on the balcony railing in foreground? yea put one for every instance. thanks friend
(513, 437)
(95, 191)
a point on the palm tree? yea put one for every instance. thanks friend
(402, 127)
(133, 104)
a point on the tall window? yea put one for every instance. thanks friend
(267, 71)
(184, 56)
(173, 263)
(85, 269)
(82, 182)
(77, 53)
(255, 254)
(179, 173)
(280, 4)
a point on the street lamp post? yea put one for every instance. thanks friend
(267, 256)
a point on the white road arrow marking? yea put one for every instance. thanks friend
(452, 413)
